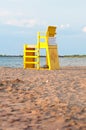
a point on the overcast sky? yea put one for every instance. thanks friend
(21, 19)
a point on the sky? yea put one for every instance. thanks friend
(20, 20)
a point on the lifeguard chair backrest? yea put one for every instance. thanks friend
(51, 31)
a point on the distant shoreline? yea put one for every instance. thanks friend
(64, 56)
(74, 56)
(11, 55)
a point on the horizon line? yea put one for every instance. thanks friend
(68, 55)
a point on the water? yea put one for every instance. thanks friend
(8, 61)
(64, 61)
(75, 61)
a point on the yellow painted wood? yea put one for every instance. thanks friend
(31, 62)
(54, 60)
(31, 55)
(29, 52)
(32, 52)
(38, 53)
(51, 31)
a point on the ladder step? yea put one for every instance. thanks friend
(31, 62)
(43, 37)
(31, 56)
(32, 46)
(31, 50)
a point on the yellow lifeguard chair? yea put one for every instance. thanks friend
(45, 41)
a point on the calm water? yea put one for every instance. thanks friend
(18, 61)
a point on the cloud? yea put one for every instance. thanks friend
(63, 26)
(4, 13)
(18, 19)
(14, 19)
(22, 23)
(84, 29)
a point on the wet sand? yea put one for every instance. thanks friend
(43, 100)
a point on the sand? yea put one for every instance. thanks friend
(43, 100)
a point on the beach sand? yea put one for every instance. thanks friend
(43, 99)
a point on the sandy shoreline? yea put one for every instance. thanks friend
(43, 100)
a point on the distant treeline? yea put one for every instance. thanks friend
(44, 56)
(73, 56)
(11, 55)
